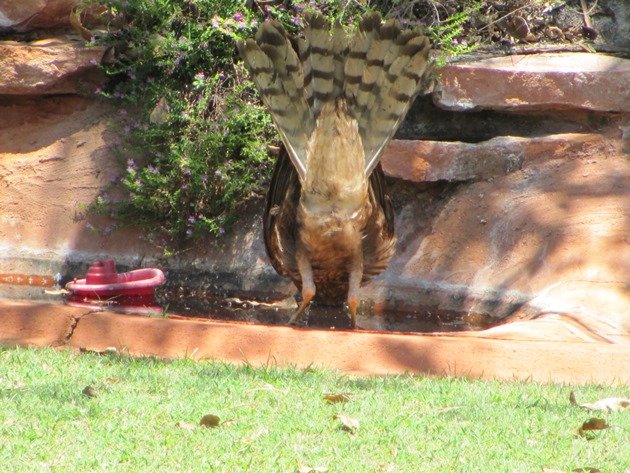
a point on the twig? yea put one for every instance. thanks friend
(585, 12)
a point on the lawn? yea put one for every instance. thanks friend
(61, 411)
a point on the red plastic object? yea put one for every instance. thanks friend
(104, 287)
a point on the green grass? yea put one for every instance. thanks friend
(276, 420)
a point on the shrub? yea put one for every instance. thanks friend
(196, 135)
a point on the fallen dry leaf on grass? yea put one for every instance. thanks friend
(336, 398)
(347, 423)
(607, 404)
(185, 425)
(593, 423)
(586, 469)
(89, 391)
(210, 420)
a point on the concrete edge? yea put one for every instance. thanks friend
(359, 353)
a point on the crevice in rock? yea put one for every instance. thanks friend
(73, 325)
(426, 121)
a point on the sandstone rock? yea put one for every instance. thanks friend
(25, 15)
(551, 239)
(537, 82)
(430, 161)
(54, 160)
(55, 66)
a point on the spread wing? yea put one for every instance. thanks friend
(279, 219)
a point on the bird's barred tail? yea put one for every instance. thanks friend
(378, 70)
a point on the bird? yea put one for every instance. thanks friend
(336, 99)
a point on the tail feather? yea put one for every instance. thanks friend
(319, 54)
(400, 68)
(354, 70)
(274, 43)
(280, 82)
(378, 70)
(339, 50)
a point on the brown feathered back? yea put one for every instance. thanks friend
(377, 70)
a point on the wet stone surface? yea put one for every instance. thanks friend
(180, 301)
(187, 302)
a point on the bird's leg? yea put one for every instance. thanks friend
(308, 285)
(354, 283)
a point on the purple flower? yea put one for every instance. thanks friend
(221, 75)
(295, 20)
(131, 163)
(132, 75)
(189, 232)
(93, 61)
(218, 173)
(187, 172)
(138, 182)
(191, 219)
(215, 22)
(238, 16)
(153, 169)
(200, 76)
(221, 230)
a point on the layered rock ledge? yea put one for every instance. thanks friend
(52, 66)
(537, 82)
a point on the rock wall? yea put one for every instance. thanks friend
(511, 186)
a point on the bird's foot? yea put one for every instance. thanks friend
(298, 316)
(353, 303)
